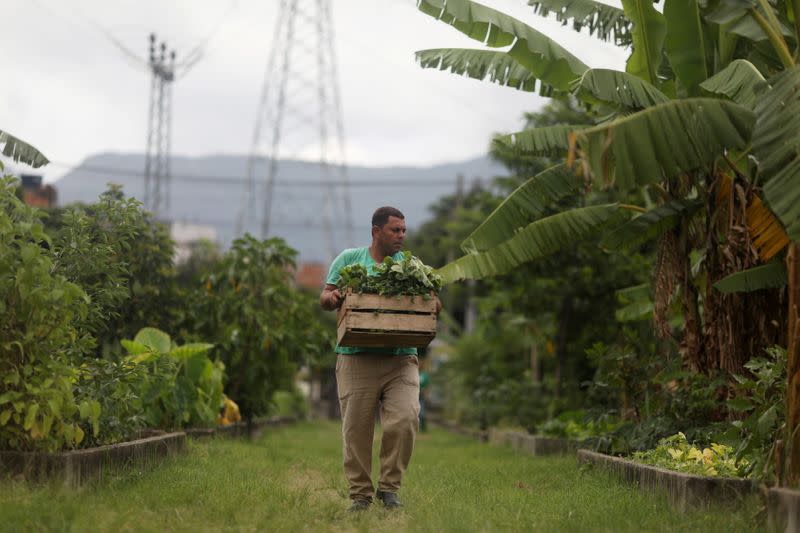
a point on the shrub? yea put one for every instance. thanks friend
(261, 325)
(39, 309)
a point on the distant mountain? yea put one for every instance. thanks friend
(211, 190)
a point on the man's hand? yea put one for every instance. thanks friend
(331, 298)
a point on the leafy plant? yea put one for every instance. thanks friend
(675, 453)
(183, 387)
(761, 397)
(39, 309)
(116, 389)
(577, 425)
(261, 325)
(408, 276)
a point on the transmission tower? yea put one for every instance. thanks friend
(157, 171)
(299, 116)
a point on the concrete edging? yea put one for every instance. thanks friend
(783, 509)
(533, 444)
(77, 467)
(684, 491)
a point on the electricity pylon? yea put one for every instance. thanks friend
(157, 171)
(299, 115)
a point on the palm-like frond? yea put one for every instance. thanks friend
(685, 44)
(527, 203)
(769, 276)
(651, 224)
(648, 32)
(543, 57)
(497, 67)
(19, 150)
(603, 21)
(776, 143)
(620, 88)
(669, 138)
(547, 141)
(738, 81)
(536, 240)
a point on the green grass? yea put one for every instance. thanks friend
(291, 480)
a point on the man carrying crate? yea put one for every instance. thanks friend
(371, 377)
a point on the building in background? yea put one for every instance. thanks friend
(311, 275)
(187, 236)
(35, 194)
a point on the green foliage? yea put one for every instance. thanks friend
(290, 403)
(39, 309)
(261, 326)
(675, 453)
(760, 398)
(408, 276)
(577, 425)
(88, 248)
(122, 258)
(115, 387)
(182, 386)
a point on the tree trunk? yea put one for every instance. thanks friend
(564, 316)
(793, 366)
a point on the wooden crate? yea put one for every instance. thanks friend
(371, 321)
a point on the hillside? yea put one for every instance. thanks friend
(299, 200)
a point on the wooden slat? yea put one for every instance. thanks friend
(391, 322)
(360, 339)
(368, 329)
(389, 303)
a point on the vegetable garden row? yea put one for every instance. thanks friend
(102, 337)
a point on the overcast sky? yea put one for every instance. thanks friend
(67, 89)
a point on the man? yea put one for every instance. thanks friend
(371, 377)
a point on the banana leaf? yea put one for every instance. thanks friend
(606, 22)
(616, 87)
(527, 203)
(769, 276)
(547, 60)
(738, 81)
(776, 144)
(536, 240)
(497, 67)
(669, 138)
(20, 151)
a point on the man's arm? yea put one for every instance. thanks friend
(330, 298)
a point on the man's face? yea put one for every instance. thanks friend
(390, 237)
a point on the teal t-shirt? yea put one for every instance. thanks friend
(361, 256)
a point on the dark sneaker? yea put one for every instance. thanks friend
(359, 505)
(389, 499)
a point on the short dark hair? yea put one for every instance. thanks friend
(381, 215)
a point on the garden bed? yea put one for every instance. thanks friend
(684, 491)
(450, 425)
(533, 444)
(783, 509)
(74, 468)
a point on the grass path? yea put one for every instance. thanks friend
(291, 480)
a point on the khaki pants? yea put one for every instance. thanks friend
(365, 382)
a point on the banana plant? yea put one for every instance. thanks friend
(705, 118)
(20, 151)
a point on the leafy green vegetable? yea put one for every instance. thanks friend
(675, 453)
(408, 276)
